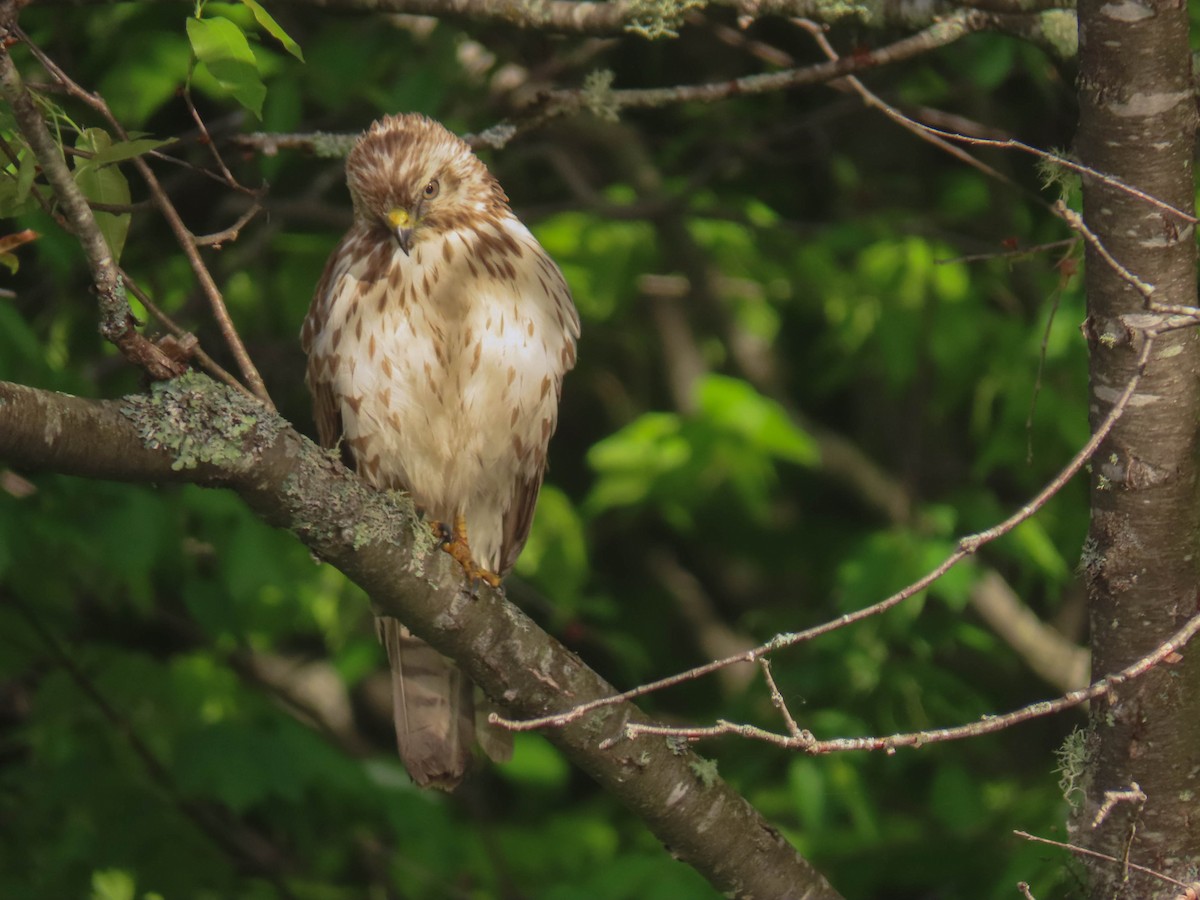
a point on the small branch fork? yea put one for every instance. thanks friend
(796, 738)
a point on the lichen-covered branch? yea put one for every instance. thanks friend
(194, 430)
(662, 18)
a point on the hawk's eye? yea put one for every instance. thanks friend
(431, 189)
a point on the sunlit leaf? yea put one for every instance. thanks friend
(26, 172)
(735, 405)
(222, 48)
(273, 28)
(103, 184)
(123, 150)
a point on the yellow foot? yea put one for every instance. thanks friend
(454, 542)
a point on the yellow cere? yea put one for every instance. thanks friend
(399, 218)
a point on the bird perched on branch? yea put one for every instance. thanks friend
(437, 343)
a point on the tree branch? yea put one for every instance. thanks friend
(659, 18)
(192, 430)
(116, 320)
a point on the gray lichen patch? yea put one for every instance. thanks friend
(654, 19)
(327, 514)
(198, 421)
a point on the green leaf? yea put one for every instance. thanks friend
(103, 184)
(535, 763)
(737, 408)
(632, 460)
(273, 28)
(25, 175)
(555, 555)
(223, 51)
(123, 150)
(1033, 539)
(112, 884)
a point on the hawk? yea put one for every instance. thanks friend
(437, 343)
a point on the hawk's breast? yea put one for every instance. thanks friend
(447, 366)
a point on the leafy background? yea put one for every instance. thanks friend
(818, 258)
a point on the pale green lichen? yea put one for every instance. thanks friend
(320, 511)
(1074, 758)
(677, 744)
(596, 721)
(332, 146)
(198, 421)
(1060, 28)
(654, 19)
(597, 95)
(1054, 174)
(705, 771)
(871, 12)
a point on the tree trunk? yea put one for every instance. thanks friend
(1137, 122)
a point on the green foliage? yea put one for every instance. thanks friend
(224, 55)
(834, 276)
(102, 182)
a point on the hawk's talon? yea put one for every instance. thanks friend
(454, 542)
(443, 532)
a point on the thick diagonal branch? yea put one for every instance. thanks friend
(196, 431)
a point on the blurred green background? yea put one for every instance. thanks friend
(807, 365)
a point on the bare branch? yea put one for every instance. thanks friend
(1134, 794)
(177, 331)
(1167, 652)
(659, 18)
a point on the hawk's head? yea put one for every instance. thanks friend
(411, 178)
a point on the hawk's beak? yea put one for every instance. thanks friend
(402, 224)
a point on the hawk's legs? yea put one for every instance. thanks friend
(454, 542)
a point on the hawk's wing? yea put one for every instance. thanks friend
(545, 287)
(326, 406)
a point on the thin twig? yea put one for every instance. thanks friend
(217, 238)
(806, 742)
(1075, 221)
(206, 362)
(1020, 253)
(1086, 171)
(919, 129)
(205, 137)
(777, 699)
(1133, 794)
(1095, 854)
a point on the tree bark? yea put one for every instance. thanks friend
(1137, 122)
(194, 430)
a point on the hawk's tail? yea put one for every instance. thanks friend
(433, 708)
